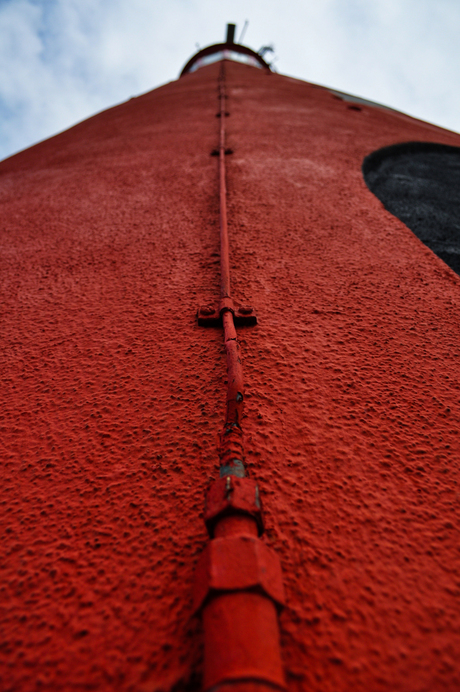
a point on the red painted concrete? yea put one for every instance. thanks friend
(113, 397)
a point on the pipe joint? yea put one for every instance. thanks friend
(238, 563)
(232, 467)
(232, 495)
(231, 443)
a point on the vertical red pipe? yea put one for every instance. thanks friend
(224, 248)
(231, 448)
(235, 387)
(238, 583)
(231, 440)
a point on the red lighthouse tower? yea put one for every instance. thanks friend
(118, 414)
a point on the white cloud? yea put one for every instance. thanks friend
(61, 60)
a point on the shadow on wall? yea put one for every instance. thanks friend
(419, 182)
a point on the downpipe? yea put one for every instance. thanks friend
(238, 581)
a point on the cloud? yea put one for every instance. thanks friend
(62, 60)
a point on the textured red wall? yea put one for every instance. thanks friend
(113, 397)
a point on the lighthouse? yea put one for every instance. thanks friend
(230, 337)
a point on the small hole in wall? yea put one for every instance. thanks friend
(354, 108)
(215, 152)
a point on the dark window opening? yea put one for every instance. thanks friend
(419, 182)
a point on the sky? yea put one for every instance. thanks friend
(64, 60)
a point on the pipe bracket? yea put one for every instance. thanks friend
(211, 315)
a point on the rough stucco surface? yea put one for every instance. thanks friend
(112, 397)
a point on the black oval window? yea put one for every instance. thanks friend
(419, 182)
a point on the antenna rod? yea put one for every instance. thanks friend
(231, 33)
(246, 23)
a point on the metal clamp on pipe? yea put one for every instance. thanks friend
(211, 315)
(226, 303)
